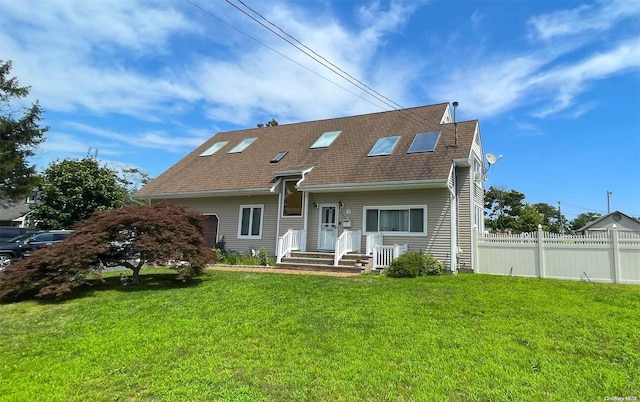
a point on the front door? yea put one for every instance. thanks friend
(328, 226)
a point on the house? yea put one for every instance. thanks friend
(411, 177)
(604, 223)
(15, 214)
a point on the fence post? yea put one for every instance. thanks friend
(540, 267)
(615, 248)
(475, 256)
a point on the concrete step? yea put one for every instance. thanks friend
(308, 260)
(320, 267)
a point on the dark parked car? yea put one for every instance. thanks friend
(21, 246)
(9, 232)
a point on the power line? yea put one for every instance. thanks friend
(347, 77)
(318, 59)
(321, 57)
(281, 54)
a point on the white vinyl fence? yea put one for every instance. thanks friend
(383, 255)
(612, 256)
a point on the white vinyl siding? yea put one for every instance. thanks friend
(395, 220)
(250, 221)
(438, 238)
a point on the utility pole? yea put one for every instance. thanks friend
(560, 219)
(609, 193)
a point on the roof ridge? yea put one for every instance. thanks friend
(339, 118)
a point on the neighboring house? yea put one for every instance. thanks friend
(622, 221)
(412, 176)
(14, 214)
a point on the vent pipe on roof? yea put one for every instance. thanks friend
(455, 123)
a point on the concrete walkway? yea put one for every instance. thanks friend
(275, 270)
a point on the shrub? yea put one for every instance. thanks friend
(412, 264)
(129, 237)
(433, 265)
(230, 257)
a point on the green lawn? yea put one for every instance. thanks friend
(249, 336)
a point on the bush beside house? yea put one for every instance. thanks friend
(413, 264)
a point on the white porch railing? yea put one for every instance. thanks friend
(373, 239)
(290, 241)
(383, 255)
(349, 241)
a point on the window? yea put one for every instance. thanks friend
(411, 220)
(250, 222)
(214, 148)
(326, 139)
(477, 172)
(278, 157)
(384, 146)
(424, 142)
(292, 200)
(478, 218)
(242, 145)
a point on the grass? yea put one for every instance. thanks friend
(248, 337)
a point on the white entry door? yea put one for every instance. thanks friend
(328, 229)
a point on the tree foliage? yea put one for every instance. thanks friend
(529, 219)
(502, 207)
(72, 189)
(20, 135)
(131, 237)
(270, 123)
(582, 219)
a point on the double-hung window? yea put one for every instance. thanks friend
(392, 220)
(250, 222)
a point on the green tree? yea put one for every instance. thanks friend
(132, 180)
(529, 219)
(270, 123)
(130, 236)
(20, 135)
(551, 218)
(583, 219)
(73, 189)
(502, 207)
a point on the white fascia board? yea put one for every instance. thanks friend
(379, 186)
(294, 172)
(464, 162)
(205, 194)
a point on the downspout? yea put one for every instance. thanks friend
(454, 221)
(273, 189)
(305, 209)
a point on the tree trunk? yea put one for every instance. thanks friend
(135, 278)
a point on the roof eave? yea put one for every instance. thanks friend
(377, 186)
(204, 194)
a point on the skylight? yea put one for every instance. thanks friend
(326, 139)
(242, 145)
(214, 148)
(278, 157)
(384, 146)
(424, 142)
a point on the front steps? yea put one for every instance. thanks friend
(318, 261)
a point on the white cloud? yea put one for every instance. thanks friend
(156, 140)
(583, 18)
(568, 81)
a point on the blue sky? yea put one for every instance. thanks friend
(555, 84)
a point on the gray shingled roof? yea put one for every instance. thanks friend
(344, 162)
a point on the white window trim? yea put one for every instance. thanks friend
(476, 164)
(396, 207)
(284, 195)
(252, 206)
